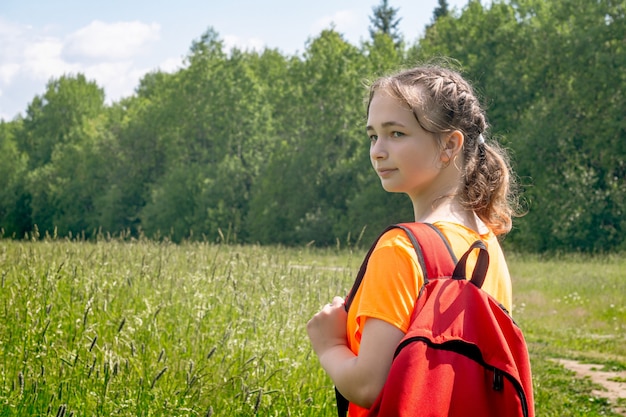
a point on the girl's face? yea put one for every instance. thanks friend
(405, 156)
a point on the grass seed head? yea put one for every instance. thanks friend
(119, 329)
(158, 376)
(61, 410)
(93, 342)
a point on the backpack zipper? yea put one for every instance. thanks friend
(472, 352)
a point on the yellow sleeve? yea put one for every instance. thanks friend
(389, 288)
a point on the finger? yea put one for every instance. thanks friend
(325, 307)
(338, 301)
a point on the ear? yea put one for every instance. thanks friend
(452, 145)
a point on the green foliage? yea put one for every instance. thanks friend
(271, 147)
(214, 127)
(59, 136)
(65, 191)
(14, 217)
(548, 73)
(137, 156)
(50, 119)
(307, 181)
(578, 106)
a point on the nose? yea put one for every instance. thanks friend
(377, 150)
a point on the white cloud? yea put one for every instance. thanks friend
(119, 40)
(117, 77)
(343, 21)
(231, 41)
(109, 53)
(8, 71)
(9, 29)
(11, 49)
(171, 65)
(41, 59)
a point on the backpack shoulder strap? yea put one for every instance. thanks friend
(434, 253)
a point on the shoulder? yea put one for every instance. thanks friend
(393, 247)
(393, 238)
(393, 252)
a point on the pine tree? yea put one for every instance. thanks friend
(384, 21)
(442, 10)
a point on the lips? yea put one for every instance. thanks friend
(385, 172)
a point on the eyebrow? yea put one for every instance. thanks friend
(387, 124)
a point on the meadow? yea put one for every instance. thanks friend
(124, 327)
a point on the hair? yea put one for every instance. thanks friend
(442, 101)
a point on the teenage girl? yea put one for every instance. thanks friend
(427, 132)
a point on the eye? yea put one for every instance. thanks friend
(396, 134)
(373, 138)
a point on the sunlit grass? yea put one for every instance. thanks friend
(142, 328)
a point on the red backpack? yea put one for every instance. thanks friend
(463, 355)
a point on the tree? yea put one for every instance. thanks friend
(313, 157)
(382, 55)
(59, 120)
(384, 21)
(548, 73)
(577, 119)
(216, 132)
(14, 211)
(142, 126)
(65, 191)
(50, 118)
(272, 147)
(441, 10)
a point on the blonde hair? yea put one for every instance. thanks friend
(442, 101)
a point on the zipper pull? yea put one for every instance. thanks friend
(498, 380)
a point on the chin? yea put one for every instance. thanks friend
(392, 189)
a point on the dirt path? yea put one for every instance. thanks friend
(614, 382)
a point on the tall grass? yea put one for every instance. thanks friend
(146, 328)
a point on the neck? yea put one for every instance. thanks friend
(448, 208)
(441, 202)
(430, 207)
(440, 196)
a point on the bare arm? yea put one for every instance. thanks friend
(359, 378)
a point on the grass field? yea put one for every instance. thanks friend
(138, 328)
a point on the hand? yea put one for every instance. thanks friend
(327, 328)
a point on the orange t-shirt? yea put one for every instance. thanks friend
(393, 279)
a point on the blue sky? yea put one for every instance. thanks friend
(116, 42)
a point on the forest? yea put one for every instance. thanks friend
(262, 147)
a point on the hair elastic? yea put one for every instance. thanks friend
(481, 139)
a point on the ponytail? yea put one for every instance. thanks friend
(488, 187)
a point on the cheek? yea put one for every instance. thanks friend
(422, 158)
